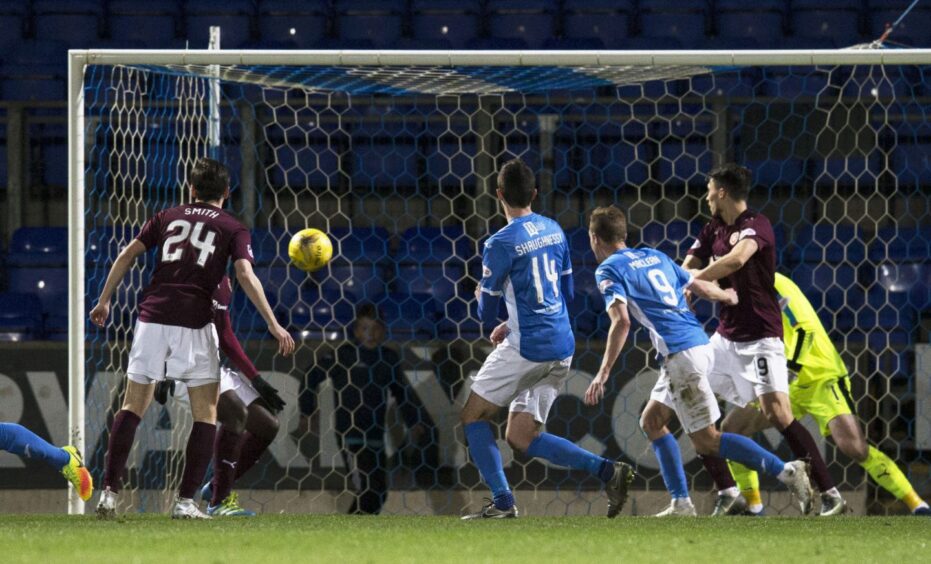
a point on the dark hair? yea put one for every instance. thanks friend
(210, 179)
(609, 224)
(517, 184)
(368, 310)
(733, 178)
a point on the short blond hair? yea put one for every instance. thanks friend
(609, 224)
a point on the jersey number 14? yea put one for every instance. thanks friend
(552, 276)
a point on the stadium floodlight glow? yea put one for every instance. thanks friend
(355, 141)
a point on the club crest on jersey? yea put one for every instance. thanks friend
(734, 238)
(532, 229)
(486, 272)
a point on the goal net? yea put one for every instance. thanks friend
(394, 155)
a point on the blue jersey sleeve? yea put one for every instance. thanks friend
(565, 275)
(683, 278)
(496, 266)
(610, 285)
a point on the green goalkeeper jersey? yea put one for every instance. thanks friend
(809, 350)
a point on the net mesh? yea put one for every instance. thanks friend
(397, 166)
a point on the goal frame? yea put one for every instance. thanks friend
(79, 59)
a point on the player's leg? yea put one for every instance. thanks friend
(231, 416)
(199, 450)
(21, 441)
(476, 420)
(746, 421)
(653, 421)
(261, 429)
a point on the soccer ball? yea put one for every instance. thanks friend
(310, 249)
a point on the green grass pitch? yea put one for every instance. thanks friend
(341, 539)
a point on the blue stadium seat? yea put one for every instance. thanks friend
(616, 164)
(56, 321)
(606, 20)
(763, 20)
(20, 317)
(837, 20)
(530, 20)
(496, 43)
(435, 245)
(830, 243)
(889, 312)
(153, 22)
(281, 282)
(912, 162)
(233, 16)
(385, 165)
(650, 43)
(451, 162)
(377, 21)
(901, 244)
(34, 70)
(319, 315)
(829, 286)
(304, 23)
(673, 238)
(580, 249)
(54, 162)
(77, 22)
(583, 315)
(410, 316)
(911, 279)
(425, 44)
(39, 246)
(247, 321)
(685, 162)
(44, 283)
(573, 44)
(12, 22)
(777, 172)
(310, 164)
(846, 171)
(359, 281)
(883, 12)
(459, 320)
(793, 82)
(440, 282)
(684, 20)
(270, 246)
(456, 21)
(103, 244)
(358, 244)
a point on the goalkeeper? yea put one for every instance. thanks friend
(822, 390)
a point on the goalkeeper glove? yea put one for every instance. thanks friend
(163, 389)
(268, 393)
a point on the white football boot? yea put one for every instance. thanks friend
(679, 507)
(187, 509)
(106, 505)
(795, 477)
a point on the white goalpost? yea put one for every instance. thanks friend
(393, 152)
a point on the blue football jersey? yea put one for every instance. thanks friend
(652, 286)
(527, 262)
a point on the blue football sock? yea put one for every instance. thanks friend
(670, 466)
(23, 442)
(566, 453)
(485, 454)
(747, 452)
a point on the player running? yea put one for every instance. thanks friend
(527, 261)
(174, 333)
(749, 362)
(16, 439)
(245, 411)
(647, 284)
(821, 390)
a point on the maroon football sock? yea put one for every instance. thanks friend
(225, 459)
(122, 435)
(720, 473)
(251, 450)
(197, 457)
(803, 447)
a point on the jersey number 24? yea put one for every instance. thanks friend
(201, 239)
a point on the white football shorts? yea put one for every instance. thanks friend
(233, 380)
(683, 387)
(507, 378)
(187, 355)
(742, 372)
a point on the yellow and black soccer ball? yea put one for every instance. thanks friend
(310, 249)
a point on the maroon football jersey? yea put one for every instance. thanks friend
(757, 314)
(195, 243)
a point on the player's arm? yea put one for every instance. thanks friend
(729, 263)
(713, 292)
(700, 251)
(617, 336)
(252, 286)
(121, 266)
(232, 348)
(692, 263)
(496, 264)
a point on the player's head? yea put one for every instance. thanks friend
(368, 328)
(210, 181)
(607, 231)
(729, 183)
(516, 185)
